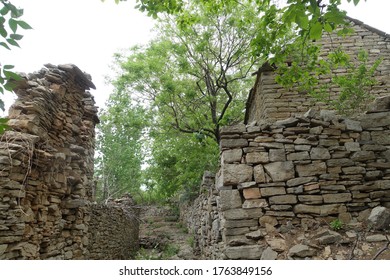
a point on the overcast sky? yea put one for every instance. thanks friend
(88, 32)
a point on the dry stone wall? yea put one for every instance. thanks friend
(270, 101)
(299, 171)
(46, 168)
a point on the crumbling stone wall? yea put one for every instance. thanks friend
(46, 167)
(271, 101)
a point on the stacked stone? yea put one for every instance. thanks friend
(317, 165)
(271, 101)
(201, 217)
(114, 230)
(47, 166)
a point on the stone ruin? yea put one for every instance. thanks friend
(294, 167)
(47, 208)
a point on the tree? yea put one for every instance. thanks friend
(119, 147)
(9, 24)
(196, 76)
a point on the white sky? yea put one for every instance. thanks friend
(88, 32)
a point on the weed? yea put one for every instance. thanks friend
(336, 224)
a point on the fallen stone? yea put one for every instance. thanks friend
(376, 238)
(269, 254)
(380, 218)
(268, 220)
(301, 251)
(277, 244)
(255, 235)
(287, 122)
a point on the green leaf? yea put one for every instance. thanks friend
(13, 42)
(4, 10)
(12, 75)
(8, 67)
(328, 27)
(316, 31)
(3, 32)
(16, 36)
(303, 22)
(13, 24)
(356, 2)
(5, 45)
(24, 24)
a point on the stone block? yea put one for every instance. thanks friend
(300, 181)
(280, 171)
(248, 252)
(380, 218)
(242, 214)
(353, 125)
(315, 168)
(251, 193)
(255, 203)
(240, 223)
(233, 129)
(257, 157)
(283, 199)
(269, 254)
(319, 153)
(259, 174)
(231, 156)
(337, 197)
(375, 120)
(352, 146)
(354, 170)
(229, 199)
(381, 137)
(233, 174)
(271, 191)
(246, 185)
(298, 156)
(363, 155)
(320, 210)
(339, 162)
(235, 231)
(310, 199)
(277, 155)
(233, 143)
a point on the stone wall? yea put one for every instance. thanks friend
(114, 230)
(46, 167)
(201, 217)
(270, 101)
(299, 170)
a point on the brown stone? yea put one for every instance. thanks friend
(315, 168)
(233, 174)
(283, 199)
(255, 203)
(271, 191)
(337, 197)
(257, 157)
(280, 171)
(251, 193)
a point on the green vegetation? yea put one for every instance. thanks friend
(178, 90)
(336, 224)
(10, 24)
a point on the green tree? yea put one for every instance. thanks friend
(119, 147)
(196, 77)
(9, 25)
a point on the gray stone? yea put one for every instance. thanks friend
(249, 252)
(301, 251)
(231, 156)
(235, 231)
(339, 162)
(380, 218)
(298, 156)
(246, 185)
(321, 210)
(75, 203)
(319, 153)
(354, 170)
(380, 104)
(277, 244)
(328, 115)
(363, 156)
(287, 122)
(280, 171)
(268, 220)
(233, 129)
(337, 197)
(277, 155)
(229, 199)
(3, 248)
(272, 145)
(315, 168)
(233, 143)
(330, 238)
(233, 174)
(283, 199)
(352, 146)
(257, 157)
(259, 174)
(310, 199)
(271, 191)
(376, 238)
(240, 223)
(381, 137)
(300, 181)
(329, 142)
(255, 203)
(353, 125)
(375, 120)
(242, 214)
(255, 235)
